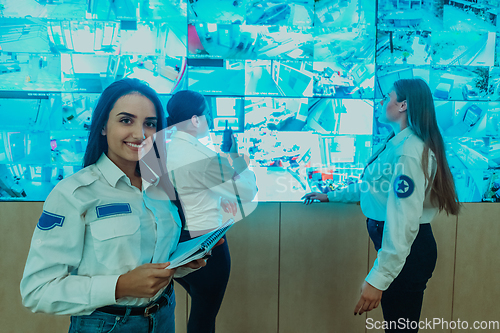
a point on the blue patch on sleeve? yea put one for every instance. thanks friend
(113, 209)
(403, 186)
(49, 220)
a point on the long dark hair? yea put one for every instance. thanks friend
(185, 104)
(422, 121)
(97, 143)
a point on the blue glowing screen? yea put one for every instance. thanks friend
(298, 81)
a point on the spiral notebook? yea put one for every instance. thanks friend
(198, 247)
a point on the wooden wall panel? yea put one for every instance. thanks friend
(17, 222)
(439, 293)
(323, 260)
(477, 272)
(181, 308)
(251, 301)
(307, 279)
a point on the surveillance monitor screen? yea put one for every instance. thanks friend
(235, 41)
(216, 76)
(299, 82)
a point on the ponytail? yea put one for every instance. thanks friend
(185, 104)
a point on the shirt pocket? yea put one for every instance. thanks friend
(376, 171)
(117, 241)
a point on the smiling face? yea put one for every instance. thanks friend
(392, 111)
(131, 121)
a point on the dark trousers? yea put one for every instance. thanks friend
(206, 287)
(402, 301)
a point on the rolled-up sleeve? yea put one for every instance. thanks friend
(346, 194)
(404, 209)
(49, 282)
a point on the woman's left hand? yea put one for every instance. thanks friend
(195, 264)
(369, 300)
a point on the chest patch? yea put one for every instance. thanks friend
(113, 209)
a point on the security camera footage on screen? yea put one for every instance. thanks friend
(298, 82)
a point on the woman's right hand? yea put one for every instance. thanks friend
(144, 281)
(309, 198)
(229, 206)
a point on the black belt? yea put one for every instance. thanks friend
(145, 311)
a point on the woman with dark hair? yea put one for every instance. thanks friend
(404, 186)
(206, 184)
(97, 143)
(100, 248)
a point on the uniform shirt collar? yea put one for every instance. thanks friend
(186, 137)
(113, 174)
(398, 138)
(109, 170)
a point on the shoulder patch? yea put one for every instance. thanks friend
(403, 186)
(49, 221)
(113, 209)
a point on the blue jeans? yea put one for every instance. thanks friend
(163, 321)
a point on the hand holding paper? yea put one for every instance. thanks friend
(197, 248)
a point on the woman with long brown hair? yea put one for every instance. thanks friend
(100, 249)
(404, 186)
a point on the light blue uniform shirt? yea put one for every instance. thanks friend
(395, 190)
(94, 227)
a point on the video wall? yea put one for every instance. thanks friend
(298, 81)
